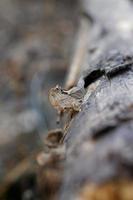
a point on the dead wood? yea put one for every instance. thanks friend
(99, 142)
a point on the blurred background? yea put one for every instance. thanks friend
(36, 47)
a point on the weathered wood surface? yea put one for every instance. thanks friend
(99, 141)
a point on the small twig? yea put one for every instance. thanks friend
(80, 50)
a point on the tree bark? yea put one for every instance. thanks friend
(99, 142)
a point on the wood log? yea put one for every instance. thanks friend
(99, 141)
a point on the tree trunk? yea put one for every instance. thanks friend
(99, 142)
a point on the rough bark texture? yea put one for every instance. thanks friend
(99, 142)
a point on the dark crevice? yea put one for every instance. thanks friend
(110, 73)
(117, 71)
(93, 76)
(100, 132)
(103, 131)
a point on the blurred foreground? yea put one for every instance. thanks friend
(36, 41)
